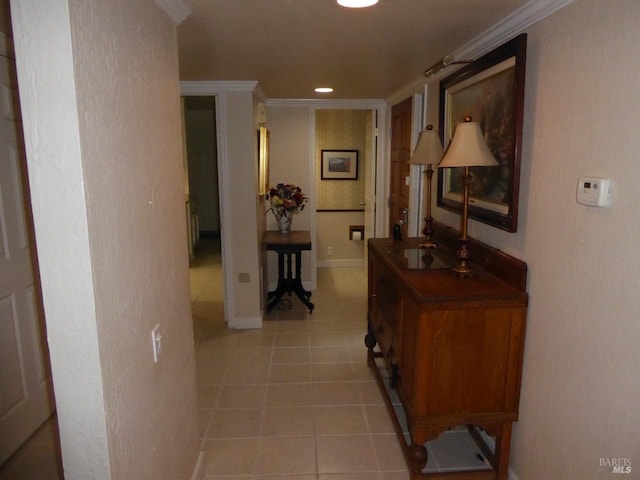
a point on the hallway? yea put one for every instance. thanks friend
(294, 400)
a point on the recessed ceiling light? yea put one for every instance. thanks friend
(357, 3)
(324, 90)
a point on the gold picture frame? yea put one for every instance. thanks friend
(263, 159)
(491, 91)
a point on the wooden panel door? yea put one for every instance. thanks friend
(26, 399)
(401, 115)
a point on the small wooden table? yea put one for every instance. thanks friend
(288, 244)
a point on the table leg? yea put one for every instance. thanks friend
(503, 447)
(275, 296)
(302, 294)
(289, 284)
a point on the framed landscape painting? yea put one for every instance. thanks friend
(491, 91)
(339, 165)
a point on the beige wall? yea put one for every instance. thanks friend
(244, 224)
(290, 144)
(580, 386)
(99, 89)
(333, 232)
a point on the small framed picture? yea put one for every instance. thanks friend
(339, 165)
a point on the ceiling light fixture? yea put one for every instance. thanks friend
(324, 90)
(357, 3)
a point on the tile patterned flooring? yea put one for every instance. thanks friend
(293, 400)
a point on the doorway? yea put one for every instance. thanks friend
(26, 390)
(203, 210)
(202, 165)
(344, 206)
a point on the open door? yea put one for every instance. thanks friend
(401, 124)
(26, 398)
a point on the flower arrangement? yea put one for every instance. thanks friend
(286, 200)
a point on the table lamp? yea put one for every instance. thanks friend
(428, 152)
(468, 149)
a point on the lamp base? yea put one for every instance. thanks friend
(427, 231)
(462, 270)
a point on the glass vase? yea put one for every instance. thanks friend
(283, 219)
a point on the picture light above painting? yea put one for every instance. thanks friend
(339, 165)
(491, 91)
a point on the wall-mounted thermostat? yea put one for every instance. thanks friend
(594, 191)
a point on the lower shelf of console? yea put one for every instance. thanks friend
(460, 453)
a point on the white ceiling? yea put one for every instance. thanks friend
(292, 46)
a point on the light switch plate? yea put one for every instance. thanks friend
(156, 342)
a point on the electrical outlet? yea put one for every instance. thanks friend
(156, 342)
(244, 278)
(329, 251)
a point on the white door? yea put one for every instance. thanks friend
(26, 399)
(370, 180)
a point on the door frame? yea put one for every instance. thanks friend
(219, 90)
(380, 212)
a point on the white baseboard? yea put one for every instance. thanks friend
(244, 323)
(338, 263)
(198, 471)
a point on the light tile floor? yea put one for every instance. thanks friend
(293, 400)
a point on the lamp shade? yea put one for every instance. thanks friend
(468, 148)
(429, 148)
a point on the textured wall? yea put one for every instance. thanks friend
(580, 387)
(99, 86)
(50, 120)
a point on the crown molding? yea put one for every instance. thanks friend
(212, 87)
(501, 32)
(177, 10)
(509, 27)
(354, 104)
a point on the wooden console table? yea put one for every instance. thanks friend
(286, 245)
(453, 345)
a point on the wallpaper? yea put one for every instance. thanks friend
(341, 130)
